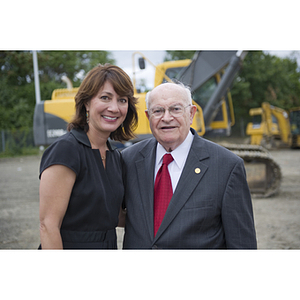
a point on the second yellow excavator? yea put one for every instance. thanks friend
(270, 127)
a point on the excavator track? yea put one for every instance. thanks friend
(263, 172)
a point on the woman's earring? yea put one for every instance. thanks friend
(87, 117)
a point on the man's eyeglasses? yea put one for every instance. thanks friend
(174, 110)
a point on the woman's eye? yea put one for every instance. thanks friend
(104, 97)
(123, 100)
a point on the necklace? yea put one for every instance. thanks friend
(91, 142)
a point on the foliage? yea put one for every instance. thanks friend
(17, 93)
(179, 54)
(265, 77)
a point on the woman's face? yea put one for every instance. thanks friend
(107, 110)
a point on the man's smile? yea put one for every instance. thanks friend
(168, 127)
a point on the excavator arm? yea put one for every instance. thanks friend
(204, 66)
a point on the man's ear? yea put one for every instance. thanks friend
(192, 113)
(147, 114)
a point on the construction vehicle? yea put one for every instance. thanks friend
(51, 117)
(295, 127)
(273, 127)
(209, 75)
(270, 127)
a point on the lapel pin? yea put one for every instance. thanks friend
(197, 170)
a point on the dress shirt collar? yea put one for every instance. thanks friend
(179, 154)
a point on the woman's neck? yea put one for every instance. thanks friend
(99, 142)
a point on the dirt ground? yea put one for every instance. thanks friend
(277, 219)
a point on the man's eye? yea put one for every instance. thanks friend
(157, 111)
(176, 109)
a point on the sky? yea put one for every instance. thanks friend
(124, 61)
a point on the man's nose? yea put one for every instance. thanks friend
(167, 116)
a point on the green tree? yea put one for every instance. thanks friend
(17, 92)
(266, 77)
(179, 54)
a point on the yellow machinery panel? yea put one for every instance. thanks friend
(64, 94)
(63, 109)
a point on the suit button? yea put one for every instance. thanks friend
(154, 247)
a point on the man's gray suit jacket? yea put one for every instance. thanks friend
(211, 207)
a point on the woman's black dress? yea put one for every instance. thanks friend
(92, 213)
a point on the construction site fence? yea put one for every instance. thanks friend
(15, 140)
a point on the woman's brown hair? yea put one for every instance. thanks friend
(89, 88)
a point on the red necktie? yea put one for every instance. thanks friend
(162, 191)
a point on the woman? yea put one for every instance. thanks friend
(81, 187)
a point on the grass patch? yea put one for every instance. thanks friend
(20, 152)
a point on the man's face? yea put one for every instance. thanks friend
(170, 131)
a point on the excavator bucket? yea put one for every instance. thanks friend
(204, 65)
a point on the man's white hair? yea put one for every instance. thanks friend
(186, 88)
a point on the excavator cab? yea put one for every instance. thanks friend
(210, 75)
(270, 126)
(224, 116)
(295, 127)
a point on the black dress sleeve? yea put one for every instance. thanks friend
(62, 152)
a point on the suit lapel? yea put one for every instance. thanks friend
(191, 175)
(145, 171)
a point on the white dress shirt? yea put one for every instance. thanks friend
(179, 155)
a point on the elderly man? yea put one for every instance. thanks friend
(182, 191)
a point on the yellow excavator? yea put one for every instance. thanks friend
(270, 127)
(209, 75)
(273, 127)
(295, 127)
